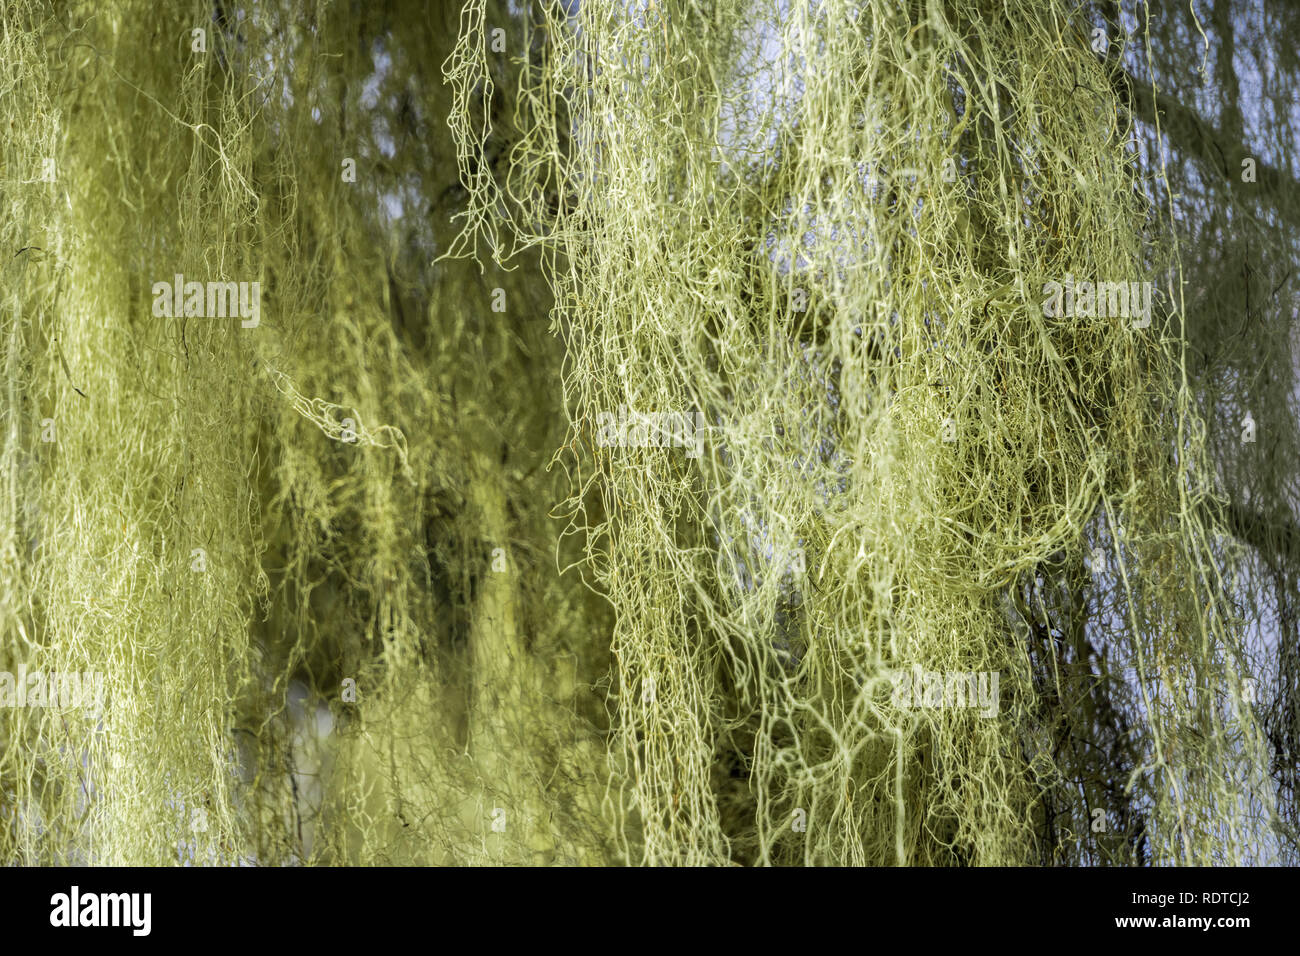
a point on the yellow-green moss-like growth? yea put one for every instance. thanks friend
(836, 242)
(307, 557)
(408, 573)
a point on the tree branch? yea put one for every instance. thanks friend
(1271, 537)
(1186, 130)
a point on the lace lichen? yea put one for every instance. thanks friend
(913, 544)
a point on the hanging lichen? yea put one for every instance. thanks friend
(899, 258)
(686, 431)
